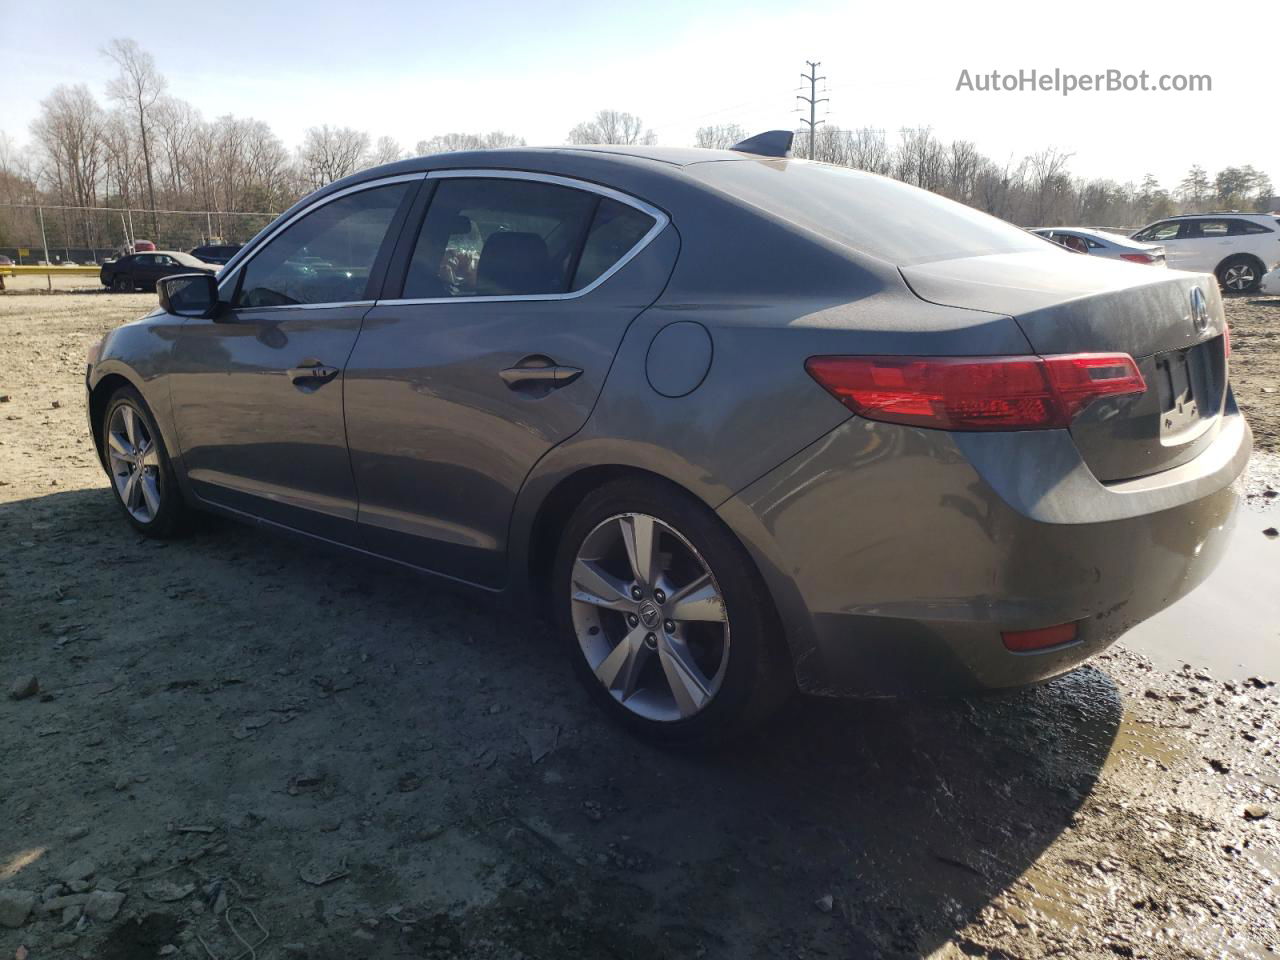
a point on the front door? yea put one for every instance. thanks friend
(257, 391)
(493, 350)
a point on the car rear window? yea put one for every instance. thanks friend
(875, 215)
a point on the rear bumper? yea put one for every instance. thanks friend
(896, 556)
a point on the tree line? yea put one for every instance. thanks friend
(148, 152)
(1035, 190)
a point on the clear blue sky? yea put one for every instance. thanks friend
(417, 69)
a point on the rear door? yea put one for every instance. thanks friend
(257, 391)
(1204, 244)
(505, 308)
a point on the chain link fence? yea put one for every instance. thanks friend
(56, 233)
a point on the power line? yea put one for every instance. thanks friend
(812, 100)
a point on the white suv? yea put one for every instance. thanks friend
(1239, 248)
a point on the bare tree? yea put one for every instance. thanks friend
(386, 150)
(962, 163)
(69, 133)
(453, 142)
(176, 126)
(868, 150)
(330, 153)
(1049, 184)
(137, 88)
(613, 127)
(719, 136)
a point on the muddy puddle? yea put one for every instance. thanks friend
(1230, 623)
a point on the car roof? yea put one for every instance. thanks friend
(1218, 214)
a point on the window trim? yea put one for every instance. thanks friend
(660, 222)
(233, 277)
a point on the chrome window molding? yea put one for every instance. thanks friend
(310, 208)
(660, 221)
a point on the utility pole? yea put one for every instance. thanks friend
(812, 100)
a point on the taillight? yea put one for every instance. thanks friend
(1138, 257)
(976, 393)
(1226, 339)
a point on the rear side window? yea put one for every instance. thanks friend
(499, 238)
(1247, 226)
(1211, 228)
(615, 231)
(878, 216)
(327, 256)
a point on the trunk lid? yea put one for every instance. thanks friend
(1170, 322)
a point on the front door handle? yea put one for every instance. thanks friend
(540, 370)
(312, 373)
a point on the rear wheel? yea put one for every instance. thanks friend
(141, 474)
(1240, 274)
(668, 623)
(121, 284)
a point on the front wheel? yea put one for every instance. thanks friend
(141, 474)
(667, 620)
(1240, 275)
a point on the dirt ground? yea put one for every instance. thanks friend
(258, 744)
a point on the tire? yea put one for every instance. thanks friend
(153, 505)
(631, 648)
(121, 284)
(1240, 274)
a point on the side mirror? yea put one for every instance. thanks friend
(189, 295)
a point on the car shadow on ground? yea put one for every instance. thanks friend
(320, 708)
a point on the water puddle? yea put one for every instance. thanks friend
(1231, 622)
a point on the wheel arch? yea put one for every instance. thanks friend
(99, 396)
(1240, 257)
(554, 510)
(538, 545)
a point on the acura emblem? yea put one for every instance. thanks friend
(1199, 310)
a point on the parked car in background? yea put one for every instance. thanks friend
(67, 263)
(1270, 284)
(736, 423)
(140, 271)
(1101, 243)
(218, 253)
(1237, 248)
(5, 261)
(143, 246)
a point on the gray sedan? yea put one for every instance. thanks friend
(1103, 243)
(737, 424)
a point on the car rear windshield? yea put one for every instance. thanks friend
(875, 215)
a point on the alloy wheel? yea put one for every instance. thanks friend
(134, 463)
(649, 617)
(1238, 277)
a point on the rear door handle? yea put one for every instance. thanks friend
(312, 373)
(551, 374)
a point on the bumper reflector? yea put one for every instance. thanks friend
(1032, 641)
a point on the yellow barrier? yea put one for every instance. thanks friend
(24, 271)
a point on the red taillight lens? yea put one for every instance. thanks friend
(1030, 641)
(976, 393)
(1226, 339)
(1138, 257)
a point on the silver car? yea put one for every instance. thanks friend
(738, 424)
(1103, 243)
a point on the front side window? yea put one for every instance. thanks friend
(327, 256)
(1160, 231)
(505, 237)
